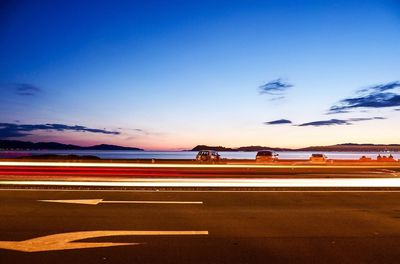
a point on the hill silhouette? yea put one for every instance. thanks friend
(26, 145)
(339, 147)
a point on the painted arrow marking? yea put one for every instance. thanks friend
(65, 241)
(97, 201)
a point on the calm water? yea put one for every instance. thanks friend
(188, 154)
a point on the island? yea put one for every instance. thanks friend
(26, 145)
(346, 147)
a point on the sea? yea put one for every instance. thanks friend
(190, 155)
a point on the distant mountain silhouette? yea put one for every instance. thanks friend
(111, 147)
(354, 147)
(26, 145)
(258, 148)
(338, 147)
(217, 148)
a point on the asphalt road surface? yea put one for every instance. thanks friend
(199, 227)
(29, 170)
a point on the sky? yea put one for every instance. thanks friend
(170, 75)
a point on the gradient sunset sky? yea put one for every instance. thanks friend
(168, 75)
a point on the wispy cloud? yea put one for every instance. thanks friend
(332, 122)
(137, 131)
(329, 122)
(366, 118)
(378, 96)
(278, 122)
(380, 87)
(275, 88)
(338, 112)
(142, 131)
(10, 130)
(26, 89)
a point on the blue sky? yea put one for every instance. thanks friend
(174, 74)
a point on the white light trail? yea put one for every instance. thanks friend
(326, 182)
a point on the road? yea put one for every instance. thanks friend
(295, 226)
(27, 170)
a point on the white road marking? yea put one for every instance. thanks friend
(81, 201)
(152, 165)
(97, 201)
(327, 182)
(65, 241)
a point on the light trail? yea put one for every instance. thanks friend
(326, 182)
(153, 165)
(99, 201)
